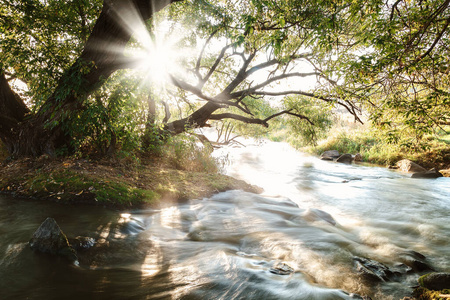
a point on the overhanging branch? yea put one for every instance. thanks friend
(263, 122)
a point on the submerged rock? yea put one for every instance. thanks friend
(428, 174)
(313, 214)
(281, 269)
(435, 281)
(415, 261)
(372, 270)
(81, 242)
(330, 155)
(345, 158)
(49, 238)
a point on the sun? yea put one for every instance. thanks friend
(159, 57)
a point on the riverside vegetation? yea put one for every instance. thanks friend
(432, 151)
(179, 171)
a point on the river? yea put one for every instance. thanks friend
(320, 219)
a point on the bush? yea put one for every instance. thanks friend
(376, 147)
(185, 153)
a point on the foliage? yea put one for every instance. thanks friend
(388, 59)
(377, 147)
(39, 40)
(152, 140)
(396, 64)
(184, 153)
(111, 119)
(319, 115)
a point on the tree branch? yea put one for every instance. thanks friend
(254, 90)
(257, 121)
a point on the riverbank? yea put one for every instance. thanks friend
(373, 149)
(111, 183)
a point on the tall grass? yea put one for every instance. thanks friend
(186, 153)
(374, 147)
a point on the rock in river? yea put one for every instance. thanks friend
(371, 270)
(405, 165)
(435, 281)
(330, 155)
(49, 238)
(281, 269)
(428, 174)
(345, 158)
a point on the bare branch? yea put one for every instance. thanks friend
(241, 76)
(199, 60)
(394, 7)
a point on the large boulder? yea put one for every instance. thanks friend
(330, 155)
(427, 174)
(49, 238)
(345, 158)
(405, 165)
(435, 281)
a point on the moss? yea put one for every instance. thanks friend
(69, 186)
(422, 293)
(81, 181)
(422, 278)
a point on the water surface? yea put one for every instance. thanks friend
(314, 216)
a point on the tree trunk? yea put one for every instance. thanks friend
(26, 134)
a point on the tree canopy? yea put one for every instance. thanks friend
(97, 71)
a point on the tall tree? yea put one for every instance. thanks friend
(26, 132)
(390, 58)
(263, 44)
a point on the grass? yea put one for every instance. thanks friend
(68, 186)
(375, 149)
(422, 293)
(150, 182)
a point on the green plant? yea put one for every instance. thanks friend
(66, 185)
(185, 153)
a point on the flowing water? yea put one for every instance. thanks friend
(321, 221)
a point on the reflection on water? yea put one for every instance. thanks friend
(320, 218)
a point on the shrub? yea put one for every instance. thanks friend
(185, 153)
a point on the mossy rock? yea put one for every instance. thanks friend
(422, 293)
(49, 238)
(433, 286)
(435, 281)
